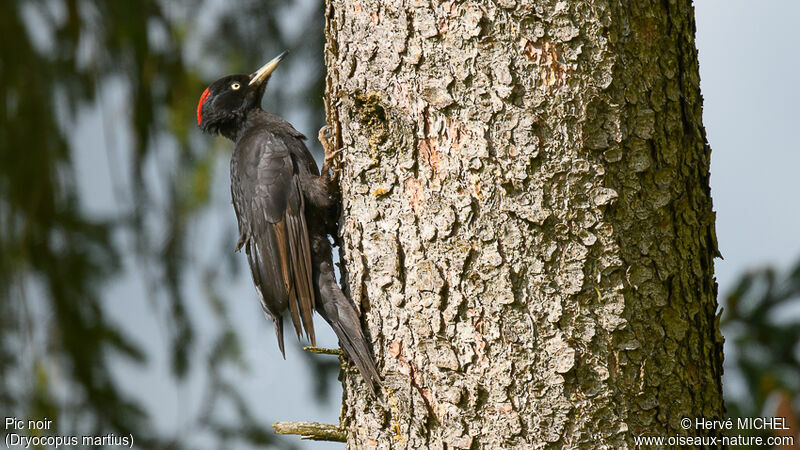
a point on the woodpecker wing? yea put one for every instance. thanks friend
(270, 207)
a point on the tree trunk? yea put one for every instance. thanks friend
(527, 222)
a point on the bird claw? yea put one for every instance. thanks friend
(331, 157)
(325, 133)
(331, 162)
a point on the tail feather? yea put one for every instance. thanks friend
(355, 347)
(279, 333)
(337, 310)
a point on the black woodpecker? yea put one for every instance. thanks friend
(283, 206)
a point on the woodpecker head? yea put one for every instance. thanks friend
(224, 105)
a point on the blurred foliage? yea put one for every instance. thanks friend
(761, 322)
(58, 260)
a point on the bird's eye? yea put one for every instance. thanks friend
(235, 86)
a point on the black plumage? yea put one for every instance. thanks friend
(283, 206)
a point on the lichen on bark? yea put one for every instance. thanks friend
(527, 222)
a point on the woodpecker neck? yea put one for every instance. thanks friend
(260, 119)
(233, 129)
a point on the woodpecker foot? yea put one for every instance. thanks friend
(331, 162)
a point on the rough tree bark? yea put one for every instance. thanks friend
(527, 222)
